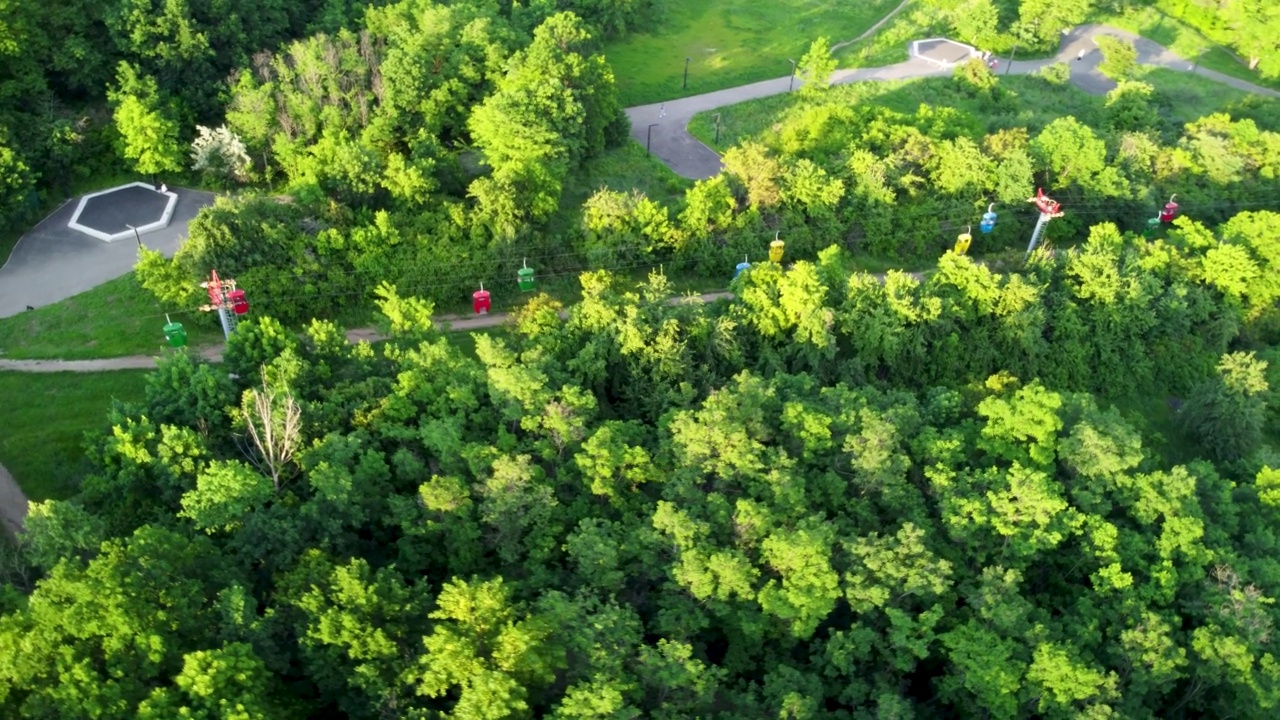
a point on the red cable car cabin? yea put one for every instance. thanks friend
(239, 305)
(480, 301)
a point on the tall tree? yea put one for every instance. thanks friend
(146, 122)
(815, 68)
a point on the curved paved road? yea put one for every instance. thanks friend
(688, 157)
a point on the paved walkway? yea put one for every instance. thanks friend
(687, 156)
(52, 262)
(13, 504)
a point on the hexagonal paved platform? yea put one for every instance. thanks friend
(52, 262)
(942, 52)
(115, 213)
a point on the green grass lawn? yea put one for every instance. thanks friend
(730, 42)
(113, 319)
(45, 417)
(889, 45)
(1162, 24)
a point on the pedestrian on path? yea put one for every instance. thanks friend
(662, 110)
(1080, 55)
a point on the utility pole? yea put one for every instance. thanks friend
(648, 140)
(791, 86)
(136, 236)
(1049, 209)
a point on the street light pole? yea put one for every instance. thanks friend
(648, 140)
(1012, 53)
(686, 73)
(717, 129)
(792, 84)
(136, 236)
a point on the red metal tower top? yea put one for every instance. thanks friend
(1046, 204)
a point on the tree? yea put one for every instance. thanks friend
(220, 153)
(148, 130)
(16, 185)
(229, 683)
(1255, 32)
(1225, 414)
(1041, 21)
(555, 107)
(485, 652)
(1073, 153)
(976, 22)
(274, 422)
(1119, 57)
(1129, 107)
(129, 640)
(815, 68)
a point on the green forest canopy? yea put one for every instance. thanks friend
(835, 496)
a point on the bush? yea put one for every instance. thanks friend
(1130, 107)
(975, 75)
(1225, 415)
(1119, 58)
(1058, 73)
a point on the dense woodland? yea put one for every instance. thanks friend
(835, 496)
(1048, 491)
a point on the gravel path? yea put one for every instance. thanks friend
(664, 127)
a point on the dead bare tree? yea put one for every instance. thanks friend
(274, 421)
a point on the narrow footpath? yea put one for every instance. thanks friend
(670, 141)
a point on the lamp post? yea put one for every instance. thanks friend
(791, 85)
(717, 129)
(136, 236)
(1012, 53)
(686, 73)
(648, 140)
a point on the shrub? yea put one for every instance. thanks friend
(1119, 58)
(1058, 73)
